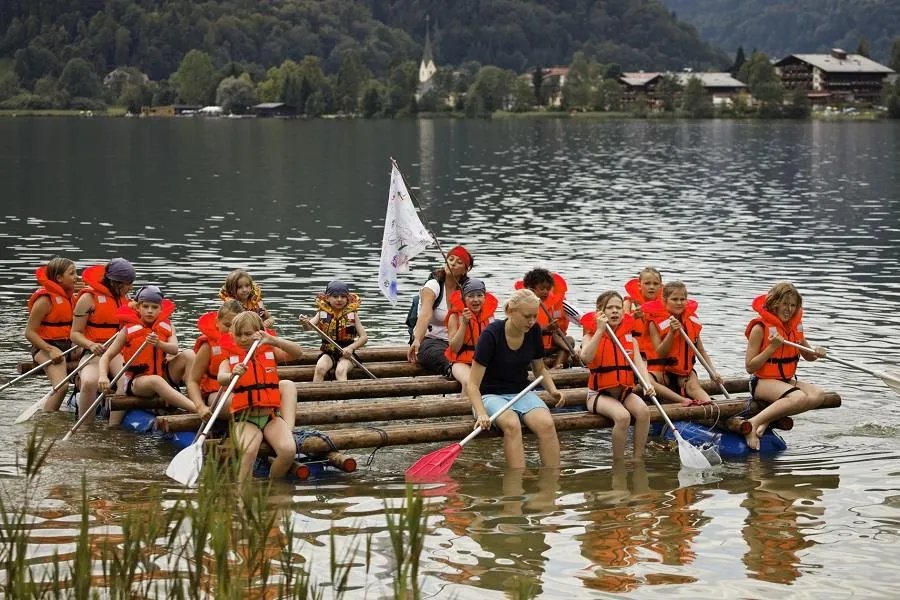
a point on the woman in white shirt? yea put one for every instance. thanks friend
(430, 338)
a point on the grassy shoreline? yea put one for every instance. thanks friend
(113, 111)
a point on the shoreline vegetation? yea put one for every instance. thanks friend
(220, 540)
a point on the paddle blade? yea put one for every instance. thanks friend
(32, 410)
(691, 456)
(892, 380)
(185, 467)
(434, 464)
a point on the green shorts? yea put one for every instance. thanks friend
(261, 421)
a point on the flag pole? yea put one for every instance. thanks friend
(415, 201)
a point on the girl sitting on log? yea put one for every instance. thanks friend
(773, 364)
(674, 314)
(471, 310)
(259, 394)
(338, 318)
(612, 381)
(96, 320)
(241, 287)
(504, 352)
(202, 383)
(646, 288)
(50, 321)
(160, 365)
(550, 289)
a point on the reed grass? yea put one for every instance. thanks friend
(221, 541)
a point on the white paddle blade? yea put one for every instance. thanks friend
(185, 467)
(892, 380)
(32, 410)
(690, 455)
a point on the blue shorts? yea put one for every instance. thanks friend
(525, 404)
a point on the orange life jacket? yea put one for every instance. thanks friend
(680, 360)
(474, 328)
(103, 320)
(258, 386)
(609, 368)
(57, 324)
(642, 325)
(783, 363)
(552, 308)
(151, 360)
(209, 334)
(339, 326)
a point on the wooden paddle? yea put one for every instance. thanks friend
(558, 335)
(36, 369)
(32, 410)
(691, 456)
(328, 340)
(439, 462)
(892, 381)
(185, 467)
(100, 398)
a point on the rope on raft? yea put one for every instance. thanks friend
(302, 435)
(384, 439)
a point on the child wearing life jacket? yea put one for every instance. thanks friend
(674, 314)
(644, 289)
(550, 288)
(471, 310)
(257, 395)
(612, 381)
(50, 321)
(338, 317)
(773, 364)
(96, 320)
(202, 382)
(160, 365)
(241, 287)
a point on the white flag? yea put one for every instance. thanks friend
(404, 236)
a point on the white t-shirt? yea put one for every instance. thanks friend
(436, 327)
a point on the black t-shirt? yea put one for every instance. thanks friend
(506, 370)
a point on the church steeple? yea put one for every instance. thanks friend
(427, 68)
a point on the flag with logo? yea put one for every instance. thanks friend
(404, 236)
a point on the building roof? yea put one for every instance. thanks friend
(854, 63)
(427, 52)
(639, 78)
(711, 80)
(270, 105)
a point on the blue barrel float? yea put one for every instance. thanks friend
(728, 443)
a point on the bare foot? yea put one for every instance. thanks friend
(752, 439)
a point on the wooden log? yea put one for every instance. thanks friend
(743, 426)
(298, 469)
(422, 433)
(339, 461)
(378, 369)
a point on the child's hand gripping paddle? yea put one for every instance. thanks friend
(100, 398)
(691, 456)
(439, 462)
(32, 410)
(185, 467)
(892, 381)
(46, 363)
(328, 340)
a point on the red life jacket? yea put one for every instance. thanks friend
(642, 325)
(209, 334)
(680, 360)
(258, 386)
(552, 308)
(609, 368)
(151, 360)
(636, 294)
(103, 320)
(57, 324)
(783, 363)
(474, 328)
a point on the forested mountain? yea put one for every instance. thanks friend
(42, 36)
(781, 27)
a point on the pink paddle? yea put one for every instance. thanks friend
(439, 462)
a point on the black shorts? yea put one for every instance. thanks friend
(755, 380)
(133, 376)
(61, 345)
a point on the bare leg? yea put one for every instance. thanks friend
(641, 414)
(55, 373)
(694, 390)
(508, 423)
(621, 418)
(88, 388)
(280, 438)
(666, 394)
(342, 369)
(807, 397)
(154, 385)
(541, 424)
(180, 364)
(460, 373)
(323, 365)
(248, 438)
(288, 391)
(115, 365)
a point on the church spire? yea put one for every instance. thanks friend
(427, 52)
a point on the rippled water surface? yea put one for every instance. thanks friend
(728, 207)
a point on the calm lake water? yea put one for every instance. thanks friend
(729, 207)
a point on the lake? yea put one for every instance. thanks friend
(729, 207)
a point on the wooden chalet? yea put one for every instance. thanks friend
(835, 77)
